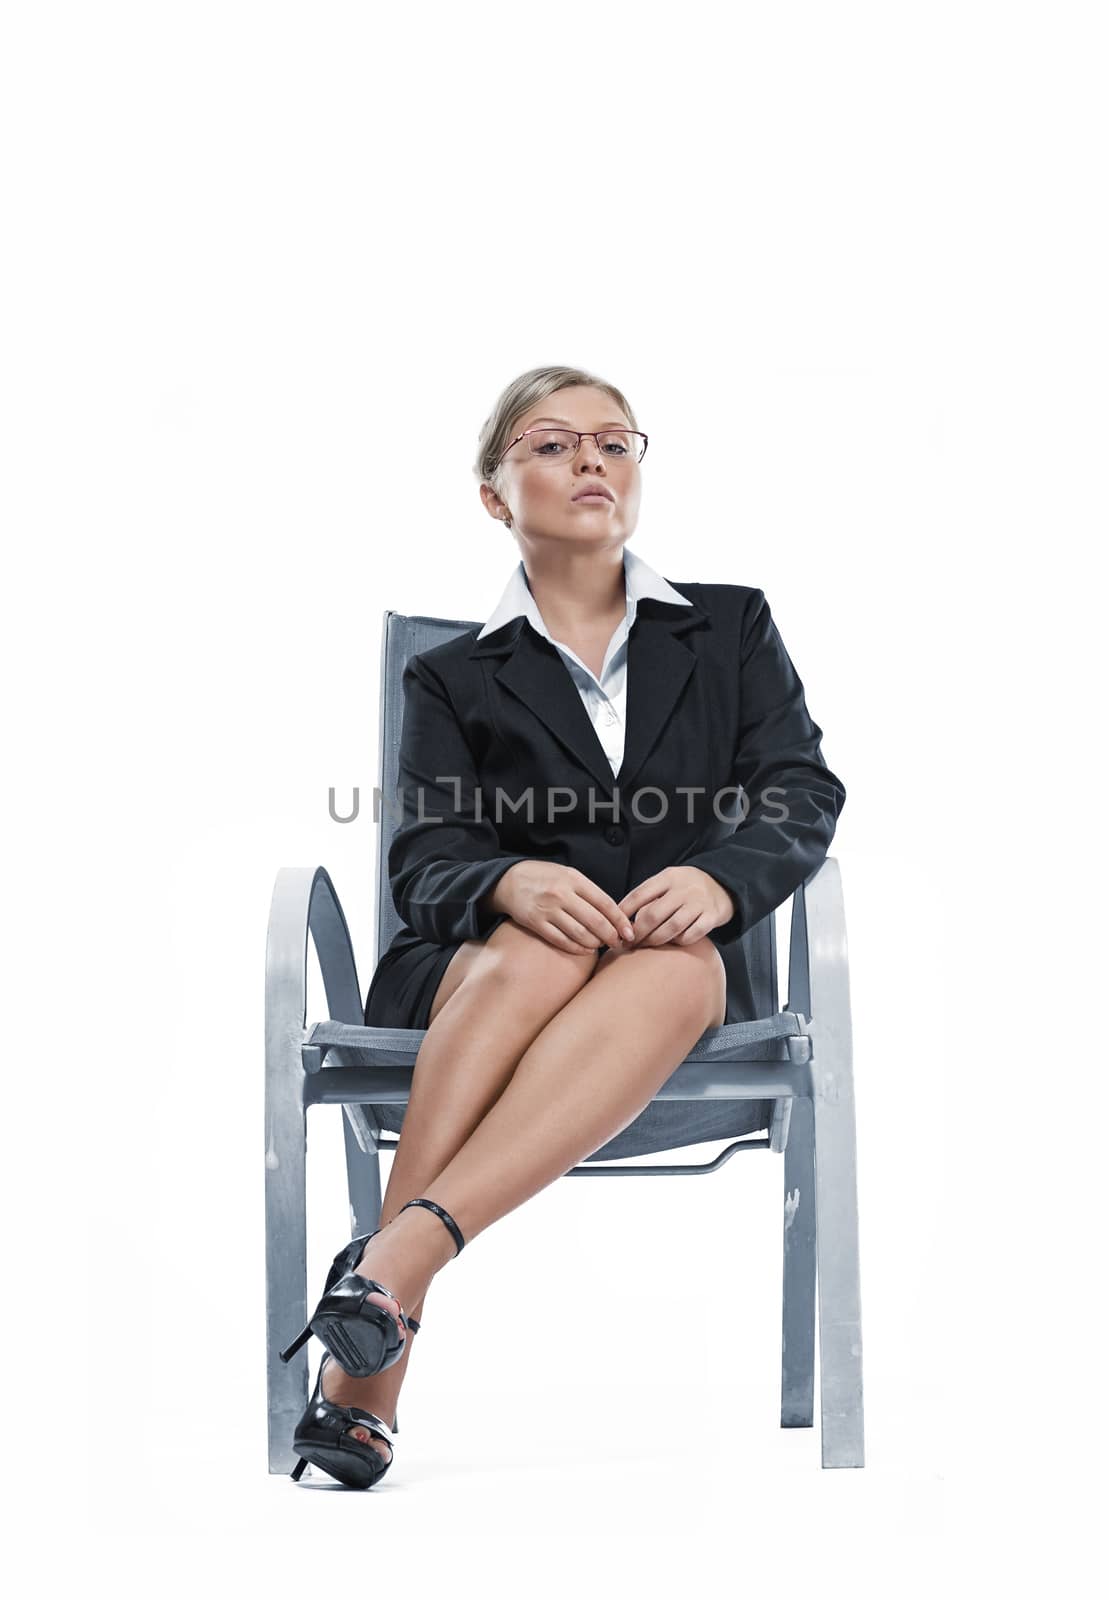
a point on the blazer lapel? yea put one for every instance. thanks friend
(659, 666)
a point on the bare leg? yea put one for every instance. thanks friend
(585, 1076)
(463, 1066)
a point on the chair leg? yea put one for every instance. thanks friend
(286, 1246)
(363, 1178)
(799, 1269)
(363, 1172)
(837, 1252)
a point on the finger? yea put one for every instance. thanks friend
(640, 895)
(673, 922)
(616, 922)
(618, 933)
(575, 930)
(603, 930)
(648, 898)
(696, 930)
(615, 938)
(635, 900)
(555, 936)
(654, 914)
(620, 949)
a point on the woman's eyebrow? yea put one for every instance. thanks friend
(566, 424)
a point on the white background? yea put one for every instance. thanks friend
(268, 269)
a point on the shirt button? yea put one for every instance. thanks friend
(614, 834)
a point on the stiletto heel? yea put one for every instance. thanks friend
(301, 1339)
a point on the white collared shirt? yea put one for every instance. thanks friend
(604, 698)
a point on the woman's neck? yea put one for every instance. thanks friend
(579, 595)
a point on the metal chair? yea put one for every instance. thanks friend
(796, 1062)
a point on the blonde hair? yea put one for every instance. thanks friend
(520, 395)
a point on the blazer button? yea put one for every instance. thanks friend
(614, 834)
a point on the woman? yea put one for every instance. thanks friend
(567, 939)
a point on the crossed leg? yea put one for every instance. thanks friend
(576, 1049)
(516, 982)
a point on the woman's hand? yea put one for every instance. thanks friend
(562, 906)
(677, 906)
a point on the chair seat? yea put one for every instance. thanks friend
(728, 1085)
(758, 1040)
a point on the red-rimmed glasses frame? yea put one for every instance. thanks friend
(596, 437)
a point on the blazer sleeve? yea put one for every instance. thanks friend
(792, 798)
(445, 855)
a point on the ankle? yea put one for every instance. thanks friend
(407, 1254)
(430, 1233)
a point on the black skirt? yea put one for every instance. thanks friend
(404, 986)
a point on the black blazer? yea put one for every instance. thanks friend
(713, 701)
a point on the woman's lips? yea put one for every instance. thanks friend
(593, 500)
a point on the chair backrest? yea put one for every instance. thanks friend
(408, 636)
(401, 637)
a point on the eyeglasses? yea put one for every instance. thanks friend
(563, 444)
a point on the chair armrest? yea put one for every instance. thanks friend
(818, 968)
(305, 903)
(739, 1037)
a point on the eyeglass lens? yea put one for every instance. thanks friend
(555, 444)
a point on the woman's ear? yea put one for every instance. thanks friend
(495, 506)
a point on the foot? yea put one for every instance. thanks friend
(343, 1390)
(405, 1255)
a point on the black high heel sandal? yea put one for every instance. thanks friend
(360, 1335)
(321, 1438)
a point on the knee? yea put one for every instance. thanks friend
(518, 959)
(693, 974)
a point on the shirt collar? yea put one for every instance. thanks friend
(641, 582)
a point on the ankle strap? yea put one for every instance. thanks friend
(446, 1216)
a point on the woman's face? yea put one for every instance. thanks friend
(538, 493)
